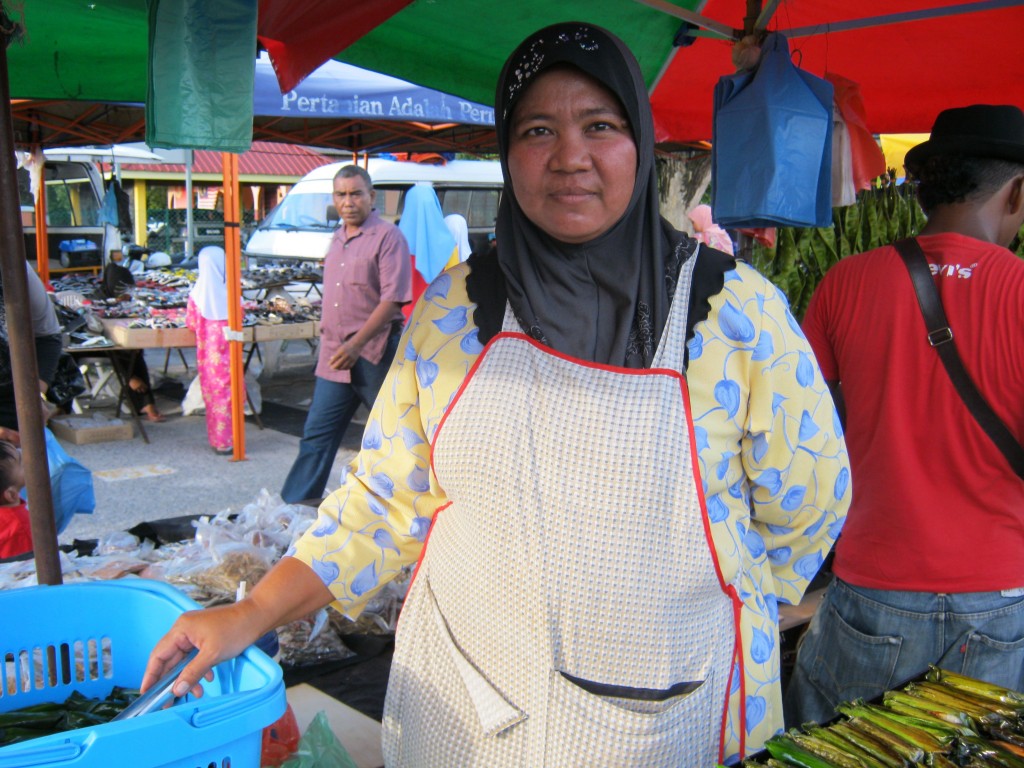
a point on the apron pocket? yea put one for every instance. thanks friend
(495, 712)
(588, 729)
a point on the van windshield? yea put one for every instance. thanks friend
(71, 200)
(301, 210)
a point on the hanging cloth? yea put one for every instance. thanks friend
(771, 152)
(201, 74)
(866, 158)
(844, 190)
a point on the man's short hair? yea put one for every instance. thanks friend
(353, 171)
(943, 179)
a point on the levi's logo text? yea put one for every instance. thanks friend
(953, 270)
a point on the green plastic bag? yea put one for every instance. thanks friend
(320, 748)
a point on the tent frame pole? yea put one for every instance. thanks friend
(25, 368)
(900, 18)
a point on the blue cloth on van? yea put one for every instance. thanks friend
(771, 154)
(108, 213)
(422, 223)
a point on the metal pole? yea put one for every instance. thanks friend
(189, 218)
(22, 339)
(233, 275)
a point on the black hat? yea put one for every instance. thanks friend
(981, 130)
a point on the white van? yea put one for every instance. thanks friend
(74, 200)
(301, 226)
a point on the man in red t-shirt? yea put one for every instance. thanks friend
(930, 564)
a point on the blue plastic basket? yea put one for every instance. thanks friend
(90, 637)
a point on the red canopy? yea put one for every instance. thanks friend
(958, 59)
(911, 58)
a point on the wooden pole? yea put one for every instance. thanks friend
(233, 274)
(22, 339)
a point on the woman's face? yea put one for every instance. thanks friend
(571, 156)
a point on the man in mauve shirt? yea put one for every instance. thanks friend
(367, 279)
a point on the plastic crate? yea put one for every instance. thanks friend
(76, 253)
(90, 637)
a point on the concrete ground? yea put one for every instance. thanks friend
(177, 473)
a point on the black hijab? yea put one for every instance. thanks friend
(605, 300)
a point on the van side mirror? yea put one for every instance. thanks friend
(332, 214)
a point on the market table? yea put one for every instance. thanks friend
(127, 342)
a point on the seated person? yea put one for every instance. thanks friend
(116, 281)
(15, 529)
(139, 390)
(46, 331)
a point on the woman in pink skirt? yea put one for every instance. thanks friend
(207, 315)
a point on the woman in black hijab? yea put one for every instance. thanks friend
(613, 513)
(607, 299)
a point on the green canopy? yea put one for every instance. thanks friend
(83, 51)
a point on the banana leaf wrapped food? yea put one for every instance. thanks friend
(77, 711)
(942, 720)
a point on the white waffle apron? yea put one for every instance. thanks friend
(568, 609)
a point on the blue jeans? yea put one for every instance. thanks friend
(862, 642)
(334, 404)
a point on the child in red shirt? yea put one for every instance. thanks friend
(15, 529)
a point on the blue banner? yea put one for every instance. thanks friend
(341, 90)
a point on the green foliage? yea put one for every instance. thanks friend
(802, 256)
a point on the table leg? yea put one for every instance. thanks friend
(124, 378)
(254, 348)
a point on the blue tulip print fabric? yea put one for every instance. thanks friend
(771, 457)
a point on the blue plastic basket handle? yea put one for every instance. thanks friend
(230, 705)
(40, 755)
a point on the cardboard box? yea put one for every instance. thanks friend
(284, 331)
(83, 430)
(155, 338)
(147, 338)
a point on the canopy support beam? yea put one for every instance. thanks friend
(723, 30)
(900, 18)
(25, 368)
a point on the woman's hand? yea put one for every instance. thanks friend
(289, 591)
(220, 633)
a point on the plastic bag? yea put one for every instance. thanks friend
(867, 159)
(280, 739)
(68, 382)
(70, 484)
(193, 402)
(771, 153)
(320, 748)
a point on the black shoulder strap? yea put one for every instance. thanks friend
(940, 336)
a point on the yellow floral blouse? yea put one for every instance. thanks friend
(772, 460)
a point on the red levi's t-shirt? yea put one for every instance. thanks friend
(936, 507)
